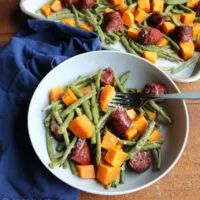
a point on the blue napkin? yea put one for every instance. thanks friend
(29, 56)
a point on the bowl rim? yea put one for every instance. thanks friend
(129, 190)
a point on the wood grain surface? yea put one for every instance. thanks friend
(183, 181)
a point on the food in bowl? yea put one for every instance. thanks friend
(100, 142)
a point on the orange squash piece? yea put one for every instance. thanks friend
(196, 29)
(55, 94)
(107, 174)
(56, 6)
(86, 89)
(151, 115)
(178, 17)
(140, 123)
(192, 3)
(118, 146)
(108, 10)
(109, 140)
(162, 42)
(115, 157)
(86, 171)
(86, 26)
(168, 27)
(187, 18)
(133, 33)
(46, 10)
(131, 133)
(116, 2)
(155, 136)
(186, 49)
(140, 15)
(69, 97)
(150, 55)
(157, 6)
(68, 21)
(144, 5)
(81, 127)
(121, 8)
(128, 18)
(106, 96)
(131, 113)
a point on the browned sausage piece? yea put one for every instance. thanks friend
(149, 35)
(197, 9)
(141, 162)
(54, 131)
(81, 153)
(120, 121)
(156, 20)
(86, 4)
(67, 3)
(113, 22)
(107, 77)
(154, 89)
(183, 33)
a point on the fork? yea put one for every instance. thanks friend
(137, 100)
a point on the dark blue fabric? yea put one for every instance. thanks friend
(29, 56)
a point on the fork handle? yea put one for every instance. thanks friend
(183, 95)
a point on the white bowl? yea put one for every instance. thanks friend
(141, 73)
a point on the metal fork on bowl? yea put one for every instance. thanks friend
(137, 100)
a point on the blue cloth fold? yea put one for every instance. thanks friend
(28, 57)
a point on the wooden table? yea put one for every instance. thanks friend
(183, 181)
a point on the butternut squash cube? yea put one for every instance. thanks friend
(46, 10)
(56, 6)
(151, 115)
(144, 5)
(186, 49)
(81, 127)
(131, 113)
(118, 146)
(157, 6)
(69, 97)
(133, 33)
(115, 157)
(68, 21)
(192, 3)
(116, 2)
(122, 8)
(108, 10)
(162, 42)
(196, 29)
(155, 136)
(140, 123)
(131, 133)
(178, 17)
(128, 18)
(140, 15)
(107, 174)
(56, 93)
(86, 26)
(187, 18)
(86, 171)
(168, 27)
(109, 140)
(150, 55)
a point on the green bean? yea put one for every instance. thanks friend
(65, 13)
(56, 114)
(95, 109)
(104, 119)
(176, 11)
(124, 77)
(114, 36)
(169, 56)
(155, 156)
(160, 111)
(168, 8)
(136, 48)
(185, 8)
(50, 150)
(119, 85)
(82, 79)
(68, 150)
(80, 101)
(174, 20)
(129, 2)
(197, 19)
(78, 111)
(98, 146)
(93, 138)
(122, 173)
(72, 167)
(150, 145)
(127, 142)
(175, 2)
(141, 142)
(97, 78)
(141, 111)
(159, 159)
(83, 84)
(174, 44)
(60, 147)
(126, 45)
(86, 105)
(75, 14)
(116, 182)
(47, 120)
(49, 107)
(65, 124)
(132, 90)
